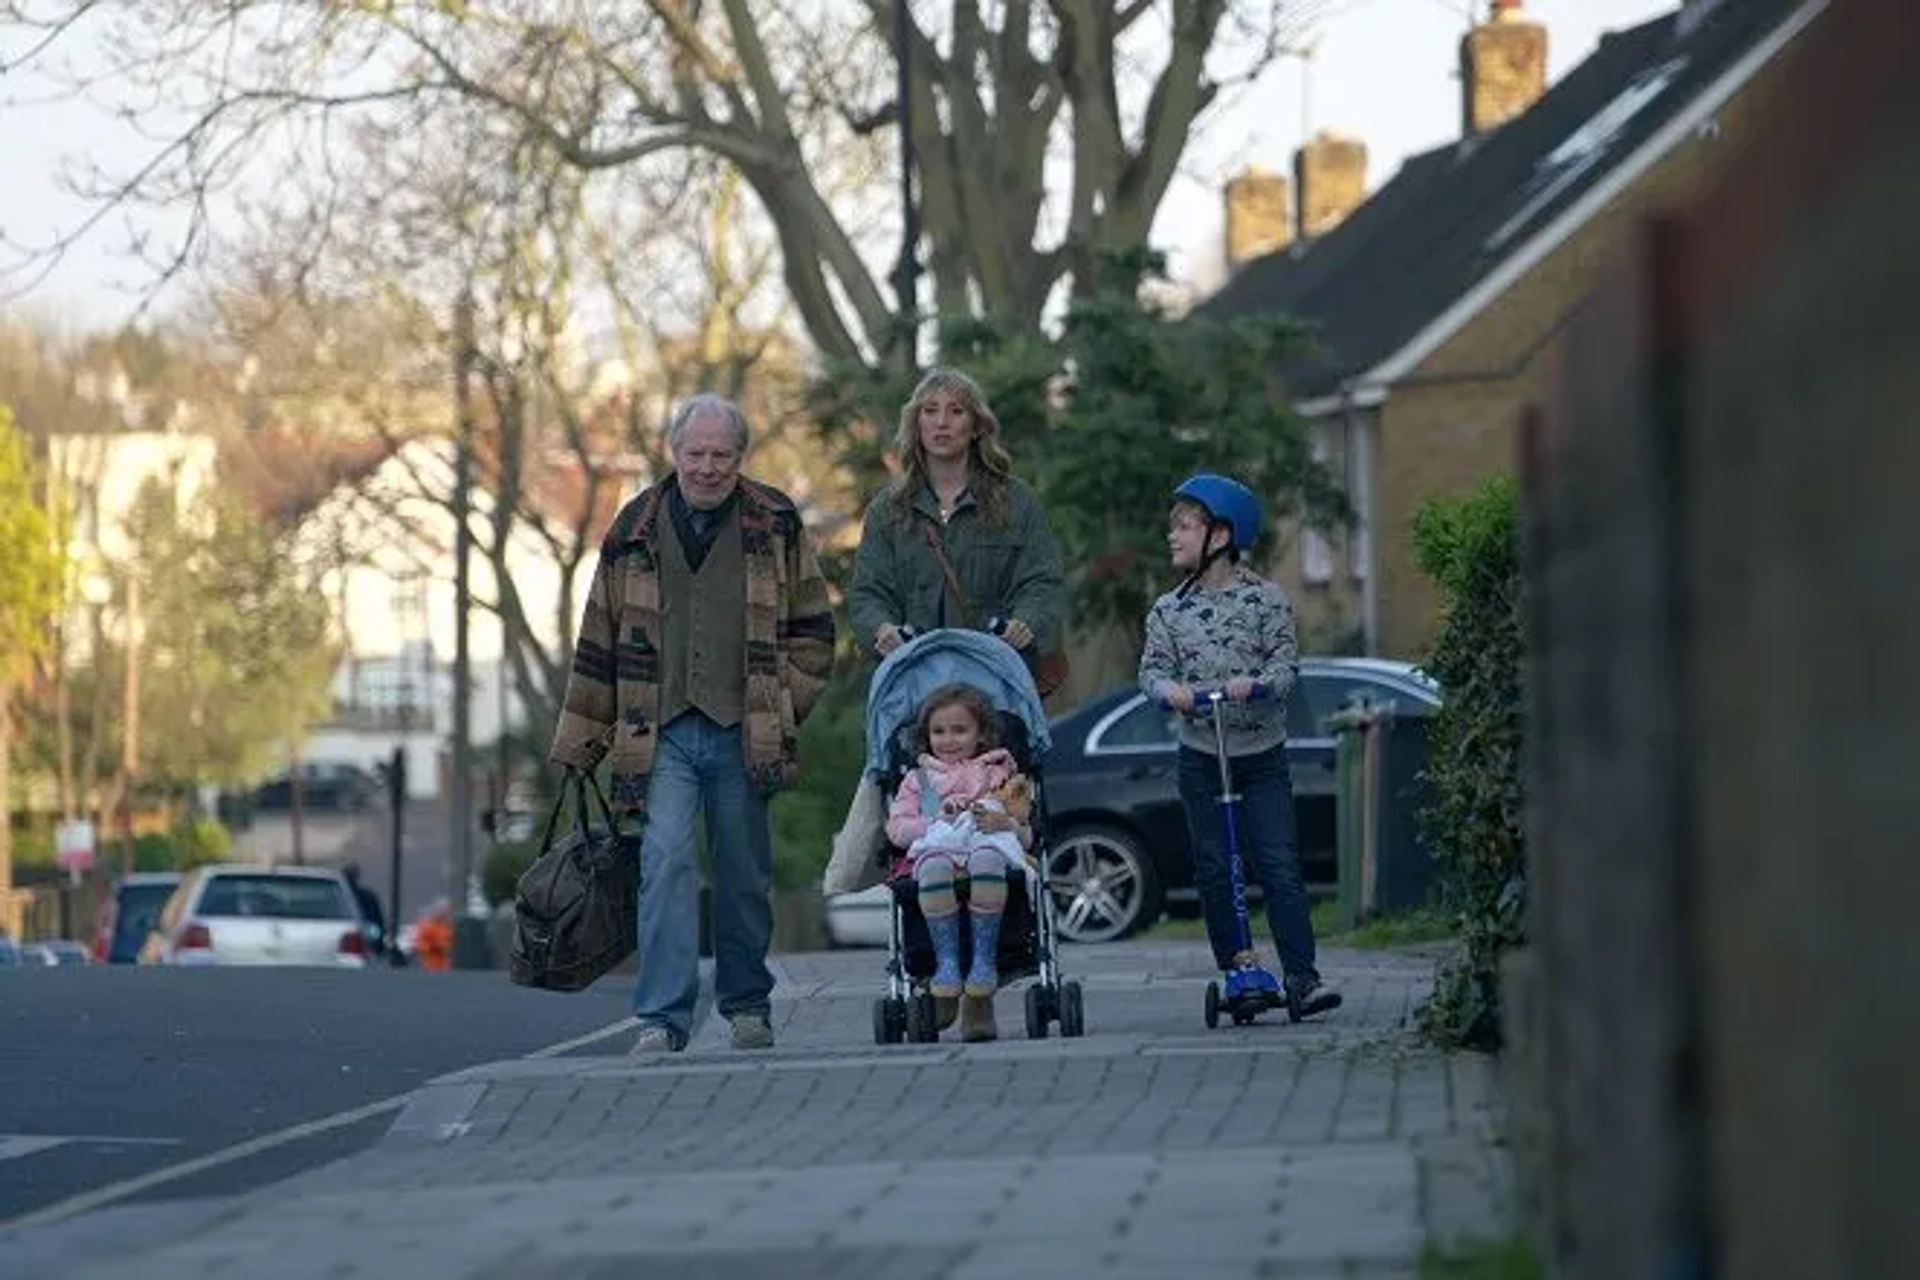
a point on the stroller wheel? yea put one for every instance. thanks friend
(1073, 1014)
(921, 1026)
(1213, 1005)
(1037, 1012)
(888, 1021)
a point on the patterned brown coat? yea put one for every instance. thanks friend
(612, 704)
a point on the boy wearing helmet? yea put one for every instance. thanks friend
(1226, 625)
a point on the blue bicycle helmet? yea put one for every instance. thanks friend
(1227, 501)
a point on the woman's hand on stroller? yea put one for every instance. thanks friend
(887, 639)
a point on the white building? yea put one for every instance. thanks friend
(394, 597)
(100, 476)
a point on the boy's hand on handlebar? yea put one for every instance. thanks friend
(1177, 697)
(1240, 688)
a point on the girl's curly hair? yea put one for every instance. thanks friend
(957, 695)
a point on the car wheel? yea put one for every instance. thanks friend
(1102, 885)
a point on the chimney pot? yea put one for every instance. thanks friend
(1259, 218)
(1329, 182)
(1503, 68)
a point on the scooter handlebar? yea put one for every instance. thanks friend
(1213, 695)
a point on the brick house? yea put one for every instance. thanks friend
(1433, 300)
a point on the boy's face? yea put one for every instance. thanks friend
(952, 734)
(1187, 536)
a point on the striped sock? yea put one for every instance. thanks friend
(934, 876)
(986, 870)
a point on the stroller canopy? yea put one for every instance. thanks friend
(950, 656)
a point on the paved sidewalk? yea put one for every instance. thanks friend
(1150, 1148)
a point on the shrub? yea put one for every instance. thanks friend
(833, 744)
(198, 841)
(505, 864)
(1469, 547)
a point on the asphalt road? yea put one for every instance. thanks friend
(109, 1074)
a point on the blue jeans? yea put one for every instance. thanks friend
(698, 768)
(1269, 850)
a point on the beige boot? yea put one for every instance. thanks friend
(976, 1019)
(945, 1010)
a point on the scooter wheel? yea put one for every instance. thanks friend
(1213, 1005)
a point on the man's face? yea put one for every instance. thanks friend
(707, 459)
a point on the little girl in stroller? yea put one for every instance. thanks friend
(990, 841)
(961, 815)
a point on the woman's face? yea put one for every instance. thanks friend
(953, 734)
(946, 425)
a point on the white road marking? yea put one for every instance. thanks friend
(17, 1146)
(99, 1197)
(624, 1026)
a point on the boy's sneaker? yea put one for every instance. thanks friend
(752, 1031)
(1304, 999)
(654, 1040)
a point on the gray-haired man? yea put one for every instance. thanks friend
(706, 637)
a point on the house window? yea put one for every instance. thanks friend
(1316, 553)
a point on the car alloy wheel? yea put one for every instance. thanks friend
(1102, 886)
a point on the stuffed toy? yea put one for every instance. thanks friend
(1015, 797)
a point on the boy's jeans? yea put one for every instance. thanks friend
(1268, 853)
(701, 766)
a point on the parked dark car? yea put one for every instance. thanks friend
(1118, 835)
(129, 912)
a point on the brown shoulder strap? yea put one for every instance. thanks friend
(946, 570)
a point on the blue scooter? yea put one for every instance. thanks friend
(1250, 991)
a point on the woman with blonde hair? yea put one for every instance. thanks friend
(956, 540)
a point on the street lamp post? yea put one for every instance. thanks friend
(462, 782)
(906, 276)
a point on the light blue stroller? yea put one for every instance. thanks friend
(1027, 945)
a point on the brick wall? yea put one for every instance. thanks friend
(1725, 718)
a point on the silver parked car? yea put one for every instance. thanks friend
(260, 915)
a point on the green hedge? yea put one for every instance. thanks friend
(833, 747)
(1469, 547)
(192, 843)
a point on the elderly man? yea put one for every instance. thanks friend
(706, 637)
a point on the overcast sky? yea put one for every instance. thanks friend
(1382, 70)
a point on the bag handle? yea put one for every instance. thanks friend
(946, 571)
(578, 783)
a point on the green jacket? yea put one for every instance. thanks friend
(1014, 572)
